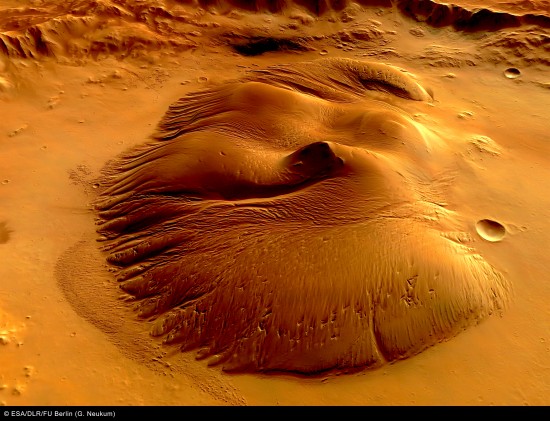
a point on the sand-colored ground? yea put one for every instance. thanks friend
(81, 82)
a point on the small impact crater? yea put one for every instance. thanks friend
(490, 230)
(512, 73)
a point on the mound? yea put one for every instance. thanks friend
(290, 221)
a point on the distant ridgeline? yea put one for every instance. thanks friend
(76, 29)
(431, 12)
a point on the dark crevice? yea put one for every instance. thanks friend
(256, 46)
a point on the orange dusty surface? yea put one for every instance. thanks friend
(346, 205)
